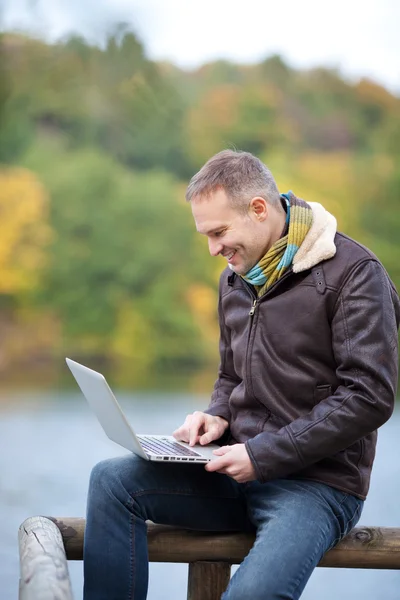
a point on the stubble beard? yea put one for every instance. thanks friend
(240, 270)
(247, 264)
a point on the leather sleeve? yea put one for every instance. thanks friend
(365, 345)
(227, 377)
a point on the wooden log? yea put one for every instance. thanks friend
(363, 548)
(43, 563)
(366, 548)
(208, 580)
(72, 530)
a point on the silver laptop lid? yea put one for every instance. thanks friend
(103, 402)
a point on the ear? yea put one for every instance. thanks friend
(258, 208)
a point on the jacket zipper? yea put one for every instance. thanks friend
(251, 315)
(256, 299)
(253, 308)
(252, 295)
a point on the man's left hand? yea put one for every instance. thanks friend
(233, 461)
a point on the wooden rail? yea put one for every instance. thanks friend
(44, 554)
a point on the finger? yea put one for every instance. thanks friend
(193, 435)
(210, 466)
(182, 433)
(212, 432)
(196, 423)
(208, 437)
(193, 440)
(217, 464)
(222, 450)
(241, 479)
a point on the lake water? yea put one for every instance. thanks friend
(50, 441)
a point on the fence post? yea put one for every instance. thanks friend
(208, 580)
(44, 567)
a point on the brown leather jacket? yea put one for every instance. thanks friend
(310, 372)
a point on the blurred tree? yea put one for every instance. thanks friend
(373, 102)
(114, 97)
(274, 70)
(24, 231)
(327, 178)
(102, 126)
(121, 260)
(15, 127)
(380, 217)
(322, 105)
(219, 72)
(247, 118)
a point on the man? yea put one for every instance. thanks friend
(308, 344)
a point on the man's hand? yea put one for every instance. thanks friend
(200, 428)
(233, 461)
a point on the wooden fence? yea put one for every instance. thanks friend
(46, 544)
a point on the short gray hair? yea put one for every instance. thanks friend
(242, 176)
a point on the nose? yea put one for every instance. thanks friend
(214, 247)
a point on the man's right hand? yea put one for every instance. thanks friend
(200, 428)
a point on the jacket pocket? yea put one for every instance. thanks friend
(321, 392)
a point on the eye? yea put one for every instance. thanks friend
(219, 233)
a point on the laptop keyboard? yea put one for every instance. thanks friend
(165, 447)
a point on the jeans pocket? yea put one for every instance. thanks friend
(354, 510)
(347, 513)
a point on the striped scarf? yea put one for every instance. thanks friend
(279, 257)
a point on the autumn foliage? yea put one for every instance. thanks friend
(97, 143)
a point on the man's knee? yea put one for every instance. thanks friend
(108, 475)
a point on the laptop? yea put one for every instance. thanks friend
(150, 447)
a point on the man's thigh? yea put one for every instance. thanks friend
(297, 522)
(176, 494)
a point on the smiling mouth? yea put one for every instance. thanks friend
(230, 256)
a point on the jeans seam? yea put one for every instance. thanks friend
(301, 576)
(132, 557)
(347, 529)
(132, 554)
(343, 500)
(357, 510)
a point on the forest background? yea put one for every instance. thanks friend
(99, 257)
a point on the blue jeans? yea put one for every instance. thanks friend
(296, 522)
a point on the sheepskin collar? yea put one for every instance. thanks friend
(318, 245)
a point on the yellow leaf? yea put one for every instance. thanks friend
(24, 229)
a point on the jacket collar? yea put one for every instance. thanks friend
(318, 245)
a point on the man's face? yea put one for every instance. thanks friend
(241, 238)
